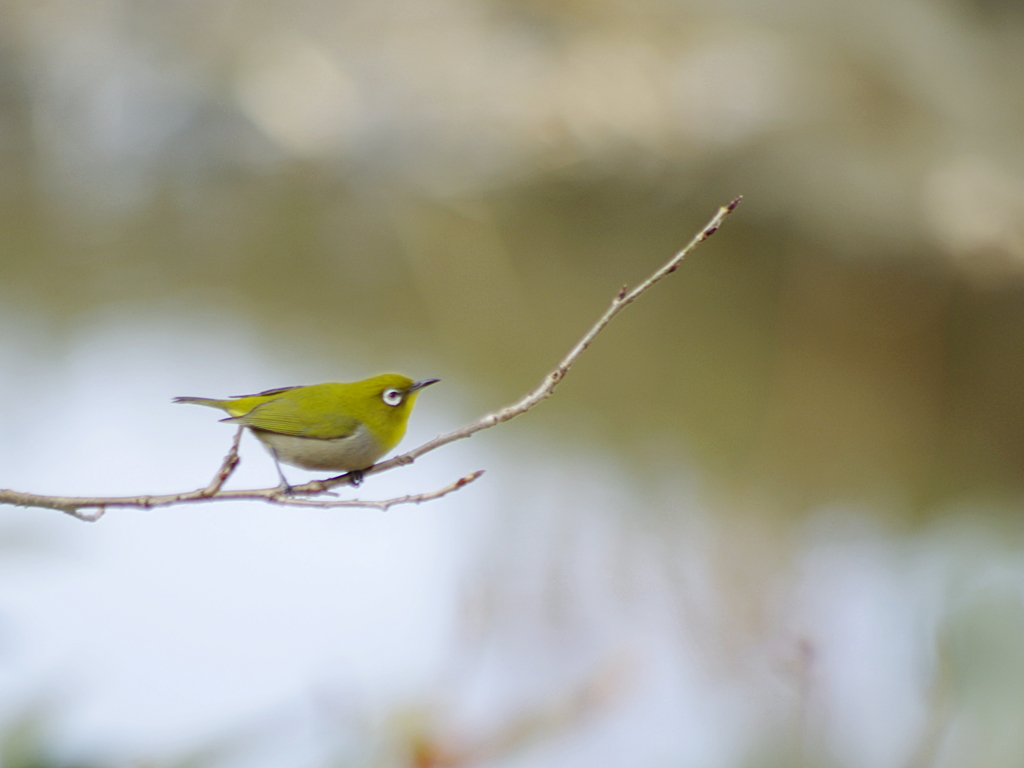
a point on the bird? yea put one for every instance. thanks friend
(338, 427)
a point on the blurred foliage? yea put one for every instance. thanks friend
(469, 182)
(24, 744)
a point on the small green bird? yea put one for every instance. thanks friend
(334, 427)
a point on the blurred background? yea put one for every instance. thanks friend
(772, 517)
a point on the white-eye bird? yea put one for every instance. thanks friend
(334, 427)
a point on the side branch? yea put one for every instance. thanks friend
(547, 386)
(73, 505)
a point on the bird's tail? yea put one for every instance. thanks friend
(201, 401)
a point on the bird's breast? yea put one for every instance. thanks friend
(342, 454)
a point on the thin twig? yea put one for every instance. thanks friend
(226, 468)
(73, 505)
(547, 386)
(384, 506)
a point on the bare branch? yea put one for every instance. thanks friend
(226, 468)
(73, 505)
(547, 386)
(383, 506)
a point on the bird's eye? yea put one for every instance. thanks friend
(392, 396)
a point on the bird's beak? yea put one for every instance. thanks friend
(421, 384)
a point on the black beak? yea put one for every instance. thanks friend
(422, 384)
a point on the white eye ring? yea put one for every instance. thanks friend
(393, 396)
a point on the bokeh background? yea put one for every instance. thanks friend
(772, 517)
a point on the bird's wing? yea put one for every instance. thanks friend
(286, 417)
(266, 392)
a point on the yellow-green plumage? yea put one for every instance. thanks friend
(336, 427)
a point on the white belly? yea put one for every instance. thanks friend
(357, 451)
